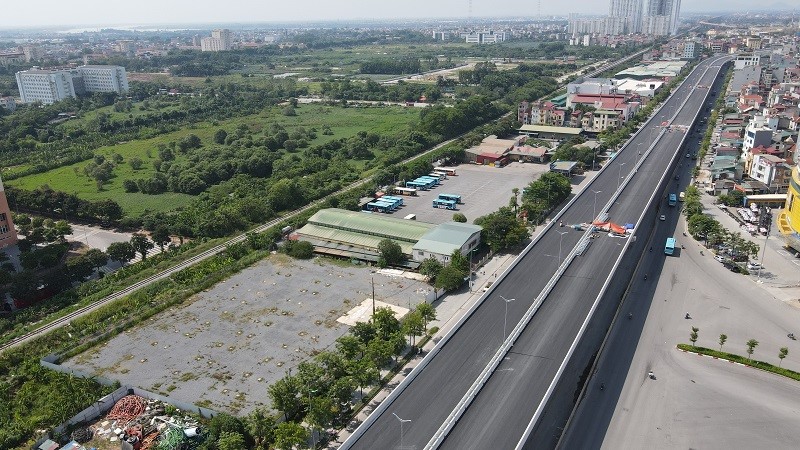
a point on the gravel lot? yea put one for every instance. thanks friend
(483, 190)
(224, 347)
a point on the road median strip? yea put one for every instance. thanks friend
(741, 360)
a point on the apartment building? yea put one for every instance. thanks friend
(50, 86)
(8, 234)
(220, 41)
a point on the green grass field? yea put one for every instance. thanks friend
(344, 122)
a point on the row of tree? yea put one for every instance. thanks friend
(751, 345)
(711, 232)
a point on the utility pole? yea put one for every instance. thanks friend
(373, 297)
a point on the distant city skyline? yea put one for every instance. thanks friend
(47, 13)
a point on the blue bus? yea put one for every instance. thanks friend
(391, 199)
(417, 185)
(379, 207)
(673, 199)
(444, 204)
(427, 178)
(669, 248)
(453, 197)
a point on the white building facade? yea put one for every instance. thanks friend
(50, 86)
(220, 41)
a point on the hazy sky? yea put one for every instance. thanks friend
(126, 12)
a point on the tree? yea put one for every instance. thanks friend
(260, 425)
(459, 261)
(450, 278)
(693, 335)
(229, 440)
(385, 322)
(428, 314)
(299, 249)
(320, 413)
(390, 252)
(782, 354)
(430, 267)
(96, 258)
(364, 373)
(220, 135)
(290, 434)
(141, 244)
(135, 163)
(702, 226)
(350, 346)
(285, 396)
(364, 331)
(459, 217)
(722, 339)
(751, 345)
(413, 327)
(225, 423)
(121, 251)
(79, 268)
(160, 236)
(502, 229)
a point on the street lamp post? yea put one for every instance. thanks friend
(764, 250)
(562, 233)
(505, 319)
(594, 211)
(638, 149)
(402, 422)
(620, 175)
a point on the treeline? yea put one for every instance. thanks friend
(61, 205)
(448, 122)
(372, 91)
(391, 66)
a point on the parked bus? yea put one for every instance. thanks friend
(453, 197)
(393, 199)
(444, 204)
(440, 175)
(451, 172)
(669, 248)
(435, 181)
(673, 199)
(379, 207)
(440, 172)
(411, 192)
(416, 185)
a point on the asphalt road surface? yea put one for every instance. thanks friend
(502, 410)
(695, 402)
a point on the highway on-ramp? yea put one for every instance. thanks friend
(500, 413)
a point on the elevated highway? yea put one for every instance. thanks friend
(519, 395)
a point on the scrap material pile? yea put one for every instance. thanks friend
(144, 425)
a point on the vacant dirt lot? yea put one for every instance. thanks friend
(223, 349)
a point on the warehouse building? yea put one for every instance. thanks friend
(352, 234)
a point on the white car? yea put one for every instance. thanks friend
(753, 265)
(720, 258)
(662, 218)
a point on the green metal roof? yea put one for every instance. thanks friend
(447, 237)
(375, 225)
(348, 238)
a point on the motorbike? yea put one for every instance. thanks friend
(688, 316)
(791, 336)
(651, 375)
(645, 277)
(602, 386)
(684, 233)
(630, 316)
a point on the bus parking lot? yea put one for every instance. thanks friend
(483, 189)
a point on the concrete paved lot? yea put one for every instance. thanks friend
(483, 190)
(228, 344)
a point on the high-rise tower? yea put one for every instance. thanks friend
(660, 17)
(8, 234)
(631, 11)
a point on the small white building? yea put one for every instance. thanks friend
(441, 240)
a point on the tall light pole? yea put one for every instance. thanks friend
(638, 149)
(505, 319)
(402, 421)
(620, 175)
(594, 211)
(764, 250)
(562, 233)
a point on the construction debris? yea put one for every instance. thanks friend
(143, 424)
